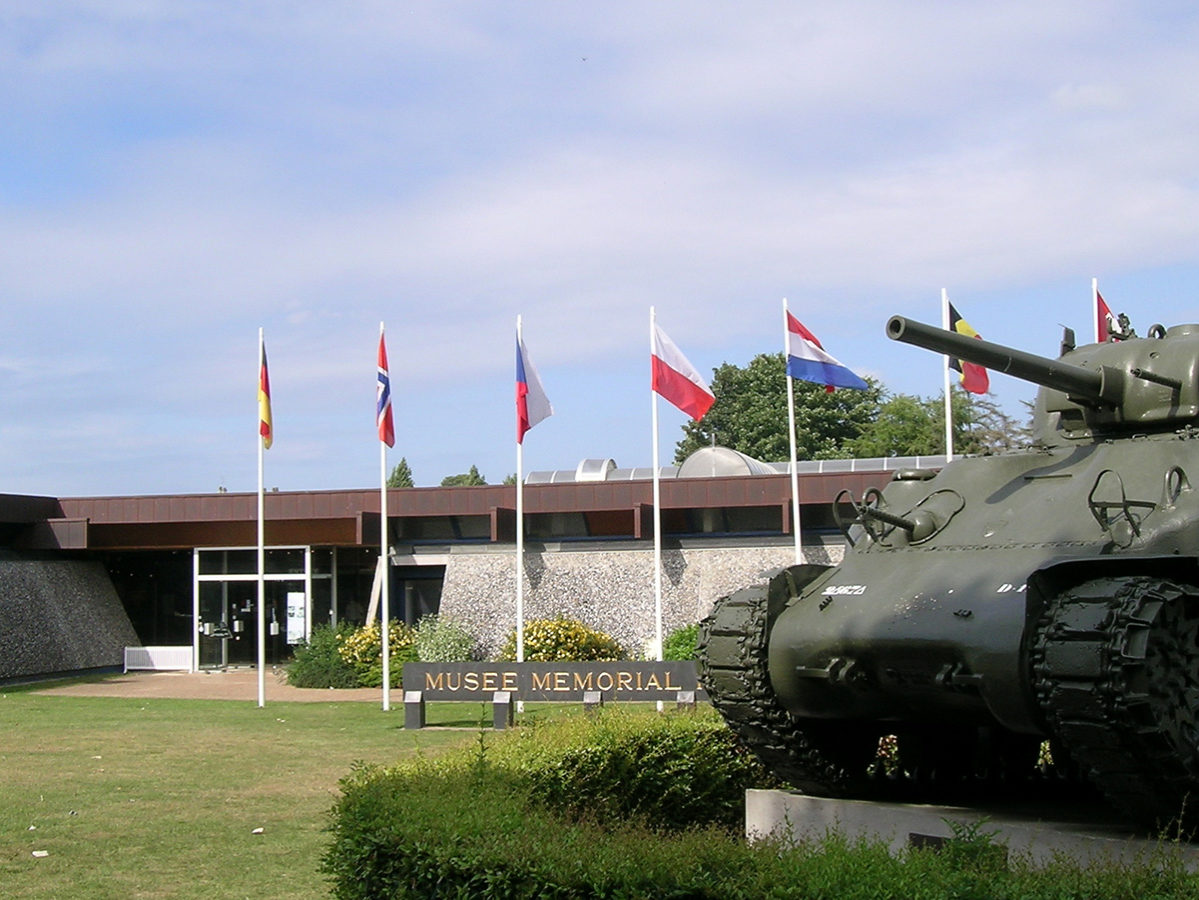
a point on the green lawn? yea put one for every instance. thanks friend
(161, 798)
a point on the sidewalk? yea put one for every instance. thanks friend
(228, 684)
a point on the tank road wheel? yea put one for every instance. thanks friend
(1115, 665)
(733, 643)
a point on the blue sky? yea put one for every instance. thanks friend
(175, 175)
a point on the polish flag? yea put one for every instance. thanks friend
(674, 378)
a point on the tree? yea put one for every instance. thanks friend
(915, 426)
(467, 479)
(401, 475)
(510, 479)
(750, 414)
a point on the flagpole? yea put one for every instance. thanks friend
(657, 502)
(1095, 308)
(791, 441)
(520, 534)
(261, 552)
(948, 393)
(384, 571)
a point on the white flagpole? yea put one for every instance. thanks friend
(791, 440)
(261, 554)
(657, 502)
(948, 392)
(520, 536)
(384, 571)
(1095, 307)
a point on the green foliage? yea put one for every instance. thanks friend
(467, 479)
(911, 426)
(562, 639)
(440, 639)
(485, 822)
(750, 414)
(362, 651)
(670, 772)
(681, 643)
(401, 475)
(318, 663)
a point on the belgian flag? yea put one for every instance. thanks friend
(973, 377)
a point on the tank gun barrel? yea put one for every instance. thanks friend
(1080, 384)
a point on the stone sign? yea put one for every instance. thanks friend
(553, 681)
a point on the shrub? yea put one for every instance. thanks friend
(563, 640)
(439, 639)
(681, 643)
(318, 662)
(670, 772)
(362, 650)
(468, 825)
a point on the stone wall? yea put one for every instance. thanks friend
(59, 615)
(612, 590)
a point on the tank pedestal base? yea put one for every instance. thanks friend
(1086, 834)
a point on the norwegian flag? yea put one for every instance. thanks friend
(383, 418)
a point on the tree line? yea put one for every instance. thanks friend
(750, 416)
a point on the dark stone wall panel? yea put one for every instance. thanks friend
(59, 615)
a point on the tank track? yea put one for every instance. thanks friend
(1115, 667)
(733, 669)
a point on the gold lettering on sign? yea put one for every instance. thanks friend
(450, 683)
(490, 680)
(669, 685)
(542, 681)
(624, 681)
(653, 684)
(510, 681)
(470, 681)
(583, 681)
(434, 681)
(561, 681)
(604, 681)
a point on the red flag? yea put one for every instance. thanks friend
(674, 378)
(973, 377)
(383, 417)
(1103, 320)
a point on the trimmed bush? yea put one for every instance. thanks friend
(362, 650)
(681, 643)
(440, 639)
(563, 640)
(471, 825)
(318, 663)
(670, 772)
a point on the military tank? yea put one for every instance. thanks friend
(1047, 594)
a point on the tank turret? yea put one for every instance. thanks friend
(1047, 594)
(1142, 382)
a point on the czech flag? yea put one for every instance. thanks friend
(674, 378)
(532, 405)
(383, 417)
(973, 377)
(807, 360)
(266, 428)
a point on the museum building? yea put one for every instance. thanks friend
(83, 578)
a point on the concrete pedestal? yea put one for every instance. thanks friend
(1079, 835)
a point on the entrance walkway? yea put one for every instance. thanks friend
(228, 684)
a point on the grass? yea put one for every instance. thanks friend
(160, 798)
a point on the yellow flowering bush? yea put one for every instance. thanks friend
(362, 650)
(563, 639)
